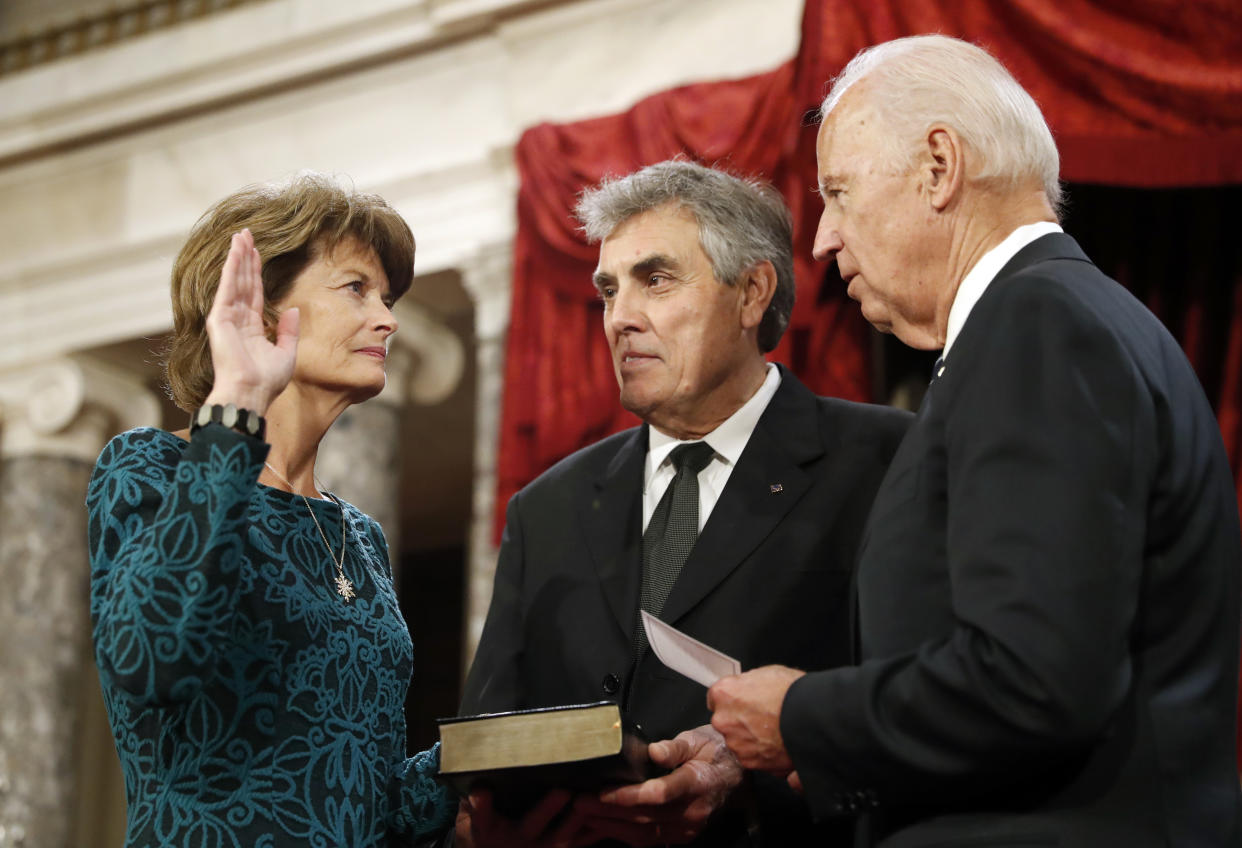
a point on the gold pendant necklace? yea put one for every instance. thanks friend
(344, 586)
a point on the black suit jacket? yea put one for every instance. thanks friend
(767, 582)
(1048, 595)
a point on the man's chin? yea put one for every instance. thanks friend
(636, 401)
(878, 318)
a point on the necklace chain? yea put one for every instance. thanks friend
(344, 586)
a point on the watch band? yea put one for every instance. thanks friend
(245, 421)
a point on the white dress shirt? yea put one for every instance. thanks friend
(980, 277)
(728, 441)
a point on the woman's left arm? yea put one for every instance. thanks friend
(421, 805)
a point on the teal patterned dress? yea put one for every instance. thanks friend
(251, 706)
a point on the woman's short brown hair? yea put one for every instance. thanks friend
(293, 223)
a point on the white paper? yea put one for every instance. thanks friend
(687, 655)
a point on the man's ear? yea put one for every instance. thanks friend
(943, 166)
(758, 287)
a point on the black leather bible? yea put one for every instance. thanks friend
(521, 755)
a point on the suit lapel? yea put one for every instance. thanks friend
(766, 484)
(611, 520)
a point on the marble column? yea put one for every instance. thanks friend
(488, 279)
(360, 457)
(56, 417)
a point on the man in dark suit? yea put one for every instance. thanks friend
(696, 276)
(1049, 589)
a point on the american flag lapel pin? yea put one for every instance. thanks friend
(776, 487)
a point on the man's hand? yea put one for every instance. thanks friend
(746, 709)
(480, 826)
(669, 809)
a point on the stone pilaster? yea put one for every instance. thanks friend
(488, 279)
(56, 417)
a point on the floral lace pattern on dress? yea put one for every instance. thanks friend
(250, 704)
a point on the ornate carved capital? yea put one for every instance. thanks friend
(70, 406)
(425, 360)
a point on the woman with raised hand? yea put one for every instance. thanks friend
(252, 655)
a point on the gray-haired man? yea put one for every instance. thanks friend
(696, 276)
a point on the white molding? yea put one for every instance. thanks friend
(102, 294)
(222, 58)
(88, 231)
(100, 298)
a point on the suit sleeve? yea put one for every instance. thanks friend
(493, 684)
(1048, 448)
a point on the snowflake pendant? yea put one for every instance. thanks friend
(345, 587)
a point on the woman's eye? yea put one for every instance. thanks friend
(355, 286)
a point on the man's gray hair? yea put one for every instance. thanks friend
(741, 222)
(921, 80)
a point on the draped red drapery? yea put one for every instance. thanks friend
(1138, 92)
(1142, 93)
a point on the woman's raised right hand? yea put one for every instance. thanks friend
(250, 371)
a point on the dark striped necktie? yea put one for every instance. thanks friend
(672, 531)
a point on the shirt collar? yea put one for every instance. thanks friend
(730, 438)
(980, 277)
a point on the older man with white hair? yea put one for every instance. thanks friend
(1048, 590)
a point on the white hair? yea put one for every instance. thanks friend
(921, 80)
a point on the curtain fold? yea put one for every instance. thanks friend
(1144, 93)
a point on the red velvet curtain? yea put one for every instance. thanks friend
(1138, 93)
(1143, 93)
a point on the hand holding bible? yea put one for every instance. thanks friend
(675, 807)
